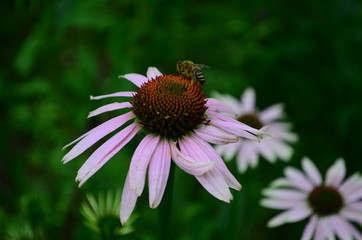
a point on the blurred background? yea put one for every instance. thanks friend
(54, 54)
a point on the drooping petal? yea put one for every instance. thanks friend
(136, 79)
(215, 105)
(153, 72)
(298, 179)
(352, 215)
(109, 107)
(293, 215)
(324, 230)
(272, 113)
(197, 142)
(248, 100)
(213, 181)
(128, 202)
(266, 150)
(237, 129)
(281, 182)
(158, 172)
(88, 139)
(188, 164)
(336, 173)
(117, 94)
(215, 135)
(139, 163)
(310, 228)
(312, 172)
(105, 152)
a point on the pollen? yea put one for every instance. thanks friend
(169, 106)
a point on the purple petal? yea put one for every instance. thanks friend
(215, 135)
(279, 204)
(237, 129)
(88, 139)
(352, 184)
(213, 181)
(136, 79)
(139, 163)
(341, 227)
(158, 172)
(188, 164)
(109, 107)
(128, 202)
(219, 163)
(106, 151)
(117, 94)
(229, 101)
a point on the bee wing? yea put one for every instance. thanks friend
(201, 66)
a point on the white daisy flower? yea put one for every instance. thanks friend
(331, 205)
(271, 148)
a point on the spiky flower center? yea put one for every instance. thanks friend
(169, 106)
(325, 200)
(251, 120)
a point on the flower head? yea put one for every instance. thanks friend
(179, 123)
(331, 204)
(272, 148)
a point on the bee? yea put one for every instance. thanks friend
(191, 70)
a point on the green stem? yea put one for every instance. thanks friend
(164, 210)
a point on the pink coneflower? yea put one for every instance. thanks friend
(330, 204)
(247, 151)
(178, 122)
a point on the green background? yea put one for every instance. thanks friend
(54, 54)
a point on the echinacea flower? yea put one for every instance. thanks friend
(178, 122)
(248, 152)
(331, 204)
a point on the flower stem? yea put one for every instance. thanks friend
(164, 210)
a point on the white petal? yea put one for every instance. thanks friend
(158, 172)
(229, 101)
(279, 204)
(285, 194)
(139, 163)
(247, 155)
(266, 150)
(341, 228)
(336, 173)
(298, 179)
(310, 228)
(109, 107)
(217, 106)
(281, 182)
(153, 72)
(311, 170)
(248, 100)
(292, 215)
(272, 113)
(228, 151)
(128, 202)
(136, 79)
(117, 94)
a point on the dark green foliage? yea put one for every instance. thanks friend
(306, 54)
